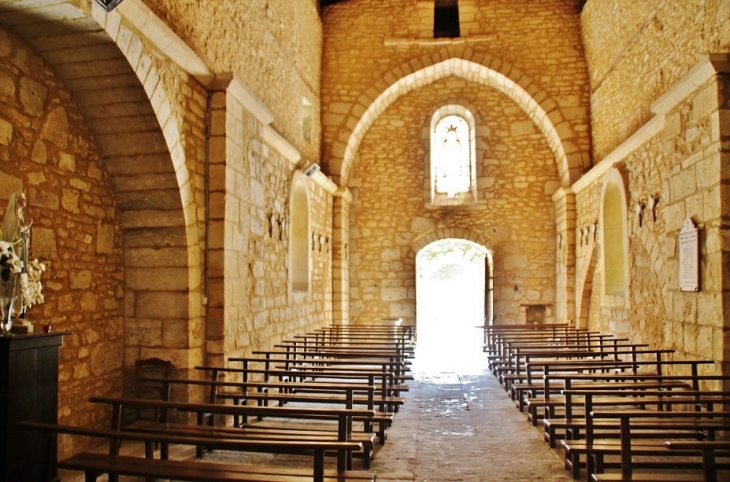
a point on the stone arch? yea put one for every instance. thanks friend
(533, 100)
(451, 233)
(113, 75)
(583, 301)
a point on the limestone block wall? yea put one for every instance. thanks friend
(514, 216)
(535, 44)
(680, 167)
(47, 150)
(275, 45)
(532, 52)
(637, 50)
(250, 303)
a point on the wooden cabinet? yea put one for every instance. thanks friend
(28, 391)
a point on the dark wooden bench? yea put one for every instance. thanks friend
(202, 411)
(95, 464)
(549, 400)
(646, 399)
(708, 449)
(348, 394)
(700, 425)
(599, 385)
(654, 425)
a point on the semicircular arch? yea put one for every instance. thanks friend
(444, 233)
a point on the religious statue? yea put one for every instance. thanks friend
(16, 232)
(14, 226)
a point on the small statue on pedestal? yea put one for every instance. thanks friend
(16, 231)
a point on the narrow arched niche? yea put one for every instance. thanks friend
(299, 235)
(614, 241)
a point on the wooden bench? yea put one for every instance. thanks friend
(343, 393)
(708, 449)
(95, 464)
(548, 402)
(342, 417)
(701, 424)
(654, 399)
(654, 425)
(578, 384)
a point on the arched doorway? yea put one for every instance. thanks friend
(453, 296)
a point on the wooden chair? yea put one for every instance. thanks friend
(143, 389)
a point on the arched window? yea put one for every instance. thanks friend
(299, 234)
(453, 169)
(614, 240)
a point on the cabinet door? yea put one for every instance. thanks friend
(30, 392)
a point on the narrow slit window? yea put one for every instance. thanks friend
(446, 19)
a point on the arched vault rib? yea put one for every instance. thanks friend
(568, 158)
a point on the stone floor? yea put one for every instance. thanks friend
(460, 425)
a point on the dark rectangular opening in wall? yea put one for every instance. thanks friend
(535, 314)
(446, 19)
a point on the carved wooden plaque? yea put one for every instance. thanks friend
(689, 257)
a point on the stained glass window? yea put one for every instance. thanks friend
(451, 157)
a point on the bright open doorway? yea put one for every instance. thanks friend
(452, 299)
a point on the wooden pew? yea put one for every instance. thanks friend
(702, 424)
(572, 425)
(386, 393)
(595, 449)
(262, 392)
(490, 330)
(548, 402)
(652, 379)
(708, 449)
(343, 418)
(95, 464)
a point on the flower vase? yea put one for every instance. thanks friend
(6, 306)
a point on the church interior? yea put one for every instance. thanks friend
(204, 179)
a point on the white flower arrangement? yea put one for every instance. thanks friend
(10, 264)
(30, 284)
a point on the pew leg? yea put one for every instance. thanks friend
(318, 466)
(90, 476)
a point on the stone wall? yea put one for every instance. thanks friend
(637, 50)
(659, 121)
(673, 176)
(514, 213)
(537, 45)
(533, 50)
(251, 305)
(275, 45)
(46, 149)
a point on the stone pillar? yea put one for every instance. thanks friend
(215, 243)
(340, 256)
(565, 215)
(723, 120)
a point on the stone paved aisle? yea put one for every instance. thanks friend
(463, 427)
